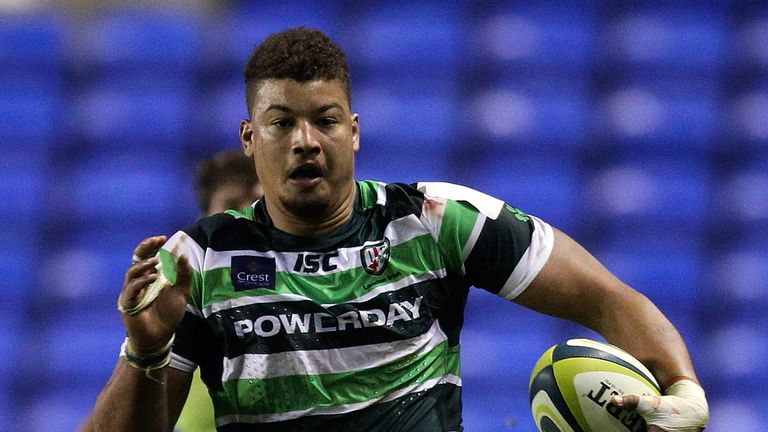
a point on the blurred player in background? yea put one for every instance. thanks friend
(225, 181)
(335, 304)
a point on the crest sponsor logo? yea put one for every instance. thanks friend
(375, 257)
(251, 272)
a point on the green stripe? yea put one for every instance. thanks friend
(298, 392)
(169, 263)
(414, 257)
(369, 192)
(246, 212)
(457, 224)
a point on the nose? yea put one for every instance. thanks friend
(305, 138)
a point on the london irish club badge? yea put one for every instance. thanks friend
(375, 257)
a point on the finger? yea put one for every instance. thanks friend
(130, 295)
(183, 271)
(141, 268)
(643, 404)
(655, 429)
(626, 401)
(149, 246)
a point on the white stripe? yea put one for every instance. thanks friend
(340, 409)
(182, 244)
(181, 363)
(484, 203)
(398, 231)
(194, 311)
(381, 193)
(473, 236)
(432, 212)
(532, 261)
(250, 300)
(318, 362)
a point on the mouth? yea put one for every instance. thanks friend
(306, 174)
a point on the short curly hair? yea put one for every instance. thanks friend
(301, 54)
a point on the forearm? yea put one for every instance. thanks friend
(131, 402)
(632, 322)
(575, 286)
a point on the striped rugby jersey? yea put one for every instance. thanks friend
(353, 331)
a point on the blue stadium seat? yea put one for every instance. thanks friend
(25, 177)
(235, 34)
(742, 197)
(149, 115)
(737, 412)
(531, 37)
(224, 107)
(737, 279)
(407, 114)
(375, 162)
(31, 110)
(12, 333)
(671, 194)
(84, 341)
(100, 256)
(496, 361)
(547, 187)
(735, 354)
(661, 116)
(750, 39)
(151, 189)
(32, 42)
(489, 346)
(531, 116)
(669, 39)
(747, 111)
(19, 259)
(666, 265)
(412, 38)
(166, 40)
(496, 405)
(61, 408)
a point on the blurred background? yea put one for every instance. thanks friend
(638, 127)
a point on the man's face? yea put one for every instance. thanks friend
(303, 138)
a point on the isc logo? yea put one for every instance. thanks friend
(311, 263)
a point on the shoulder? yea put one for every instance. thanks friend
(486, 204)
(208, 228)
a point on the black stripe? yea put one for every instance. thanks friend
(194, 342)
(435, 410)
(545, 381)
(494, 256)
(564, 351)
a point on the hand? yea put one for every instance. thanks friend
(152, 327)
(682, 409)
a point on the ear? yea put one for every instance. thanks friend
(246, 136)
(355, 132)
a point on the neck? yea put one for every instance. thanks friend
(336, 216)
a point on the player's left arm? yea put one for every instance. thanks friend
(575, 286)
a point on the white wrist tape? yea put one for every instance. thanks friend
(683, 408)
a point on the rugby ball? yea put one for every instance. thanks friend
(572, 384)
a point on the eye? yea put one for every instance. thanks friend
(282, 123)
(328, 121)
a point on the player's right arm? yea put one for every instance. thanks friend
(146, 399)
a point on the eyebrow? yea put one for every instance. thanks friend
(286, 109)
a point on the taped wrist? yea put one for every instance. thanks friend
(148, 362)
(683, 408)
